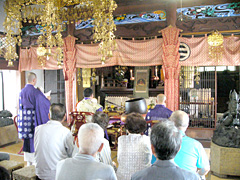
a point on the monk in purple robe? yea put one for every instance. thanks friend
(159, 111)
(33, 111)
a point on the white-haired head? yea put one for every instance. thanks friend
(90, 138)
(161, 98)
(181, 119)
(32, 78)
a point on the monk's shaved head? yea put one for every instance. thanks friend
(31, 77)
(161, 98)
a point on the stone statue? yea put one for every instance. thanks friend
(231, 117)
(227, 133)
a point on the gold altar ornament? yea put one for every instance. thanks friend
(79, 76)
(86, 77)
(197, 74)
(215, 41)
(94, 76)
(51, 15)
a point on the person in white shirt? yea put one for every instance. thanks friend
(104, 156)
(83, 165)
(52, 142)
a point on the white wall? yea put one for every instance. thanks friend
(11, 88)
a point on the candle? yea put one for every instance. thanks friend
(130, 72)
(156, 70)
(98, 99)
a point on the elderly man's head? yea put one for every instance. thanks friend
(181, 119)
(161, 98)
(32, 78)
(165, 139)
(90, 139)
(57, 111)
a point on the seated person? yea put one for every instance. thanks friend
(104, 156)
(192, 155)
(52, 142)
(159, 112)
(88, 104)
(83, 165)
(134, 150)
(165, 143)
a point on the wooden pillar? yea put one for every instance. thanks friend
(71, 28)
(171, 56)
(171, 66)
(171, 12)
(23, 79)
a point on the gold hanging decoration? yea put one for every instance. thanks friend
(215, 41)
(59, 56)
(94, 76)
(197, 76)
(79, 76)
(86, 76)
(51, 15)
(41, 61)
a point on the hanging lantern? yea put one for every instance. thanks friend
(215, 41)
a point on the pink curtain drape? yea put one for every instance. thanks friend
(69, 69)
(137, 53)
(127, 53)
(200, 51)
(28, 60)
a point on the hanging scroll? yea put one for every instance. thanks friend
(141, 82)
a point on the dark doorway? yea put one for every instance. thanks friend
(226, 81)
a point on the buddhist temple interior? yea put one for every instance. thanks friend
(188, 50)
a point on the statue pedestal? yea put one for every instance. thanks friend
(225, 160)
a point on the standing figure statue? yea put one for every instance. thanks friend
(231, 117)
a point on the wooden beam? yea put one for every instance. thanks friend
(71, 28)
(4, 65)
(131, 9)
(171, 14)
(190, 3)
(23, 79)
(186, 3)
(202, 33)
(229, 24)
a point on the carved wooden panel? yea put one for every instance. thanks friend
(206, 25)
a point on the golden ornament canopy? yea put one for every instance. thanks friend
(52, 15)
